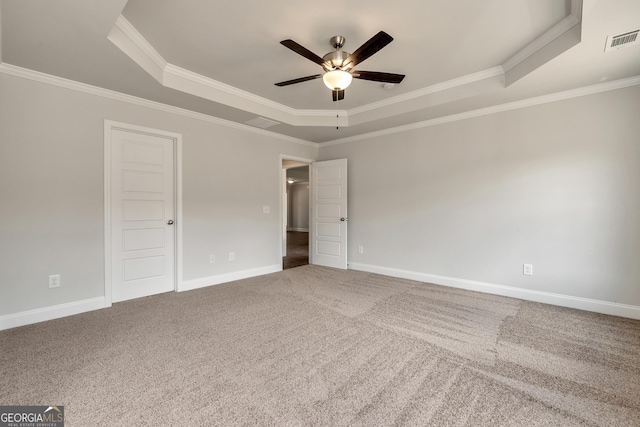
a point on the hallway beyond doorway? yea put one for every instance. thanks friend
(297, 250)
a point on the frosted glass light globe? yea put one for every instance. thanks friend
(337, 79)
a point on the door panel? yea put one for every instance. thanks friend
(142, 182)
(150, 238)
(329, 213)
(328, 230)
(142, 204)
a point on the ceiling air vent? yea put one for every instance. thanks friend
(261, 122)
(622, 40)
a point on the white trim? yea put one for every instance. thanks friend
(107, 213)
(126, 38)
(545, 39)
(204, 282)
(530, 102)
(178, 214)
(109, 127)
(429, 90)
(49, 313)
(39, 77)
(282, 190)
(145, 47)
(295, 159)
(576, 9)
(598, 306)
(174, 70)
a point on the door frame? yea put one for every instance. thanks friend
(109, 127)
(282, 196)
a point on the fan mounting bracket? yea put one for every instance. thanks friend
(337, 42)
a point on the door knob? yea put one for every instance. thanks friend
(344, 219)
(170, 222)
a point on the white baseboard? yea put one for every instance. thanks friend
(49, 313)
(69, 309)
(604, 307)
(203, 282)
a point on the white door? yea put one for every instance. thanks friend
(142, 215)
(329, 213)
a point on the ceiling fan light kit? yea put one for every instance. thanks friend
(338, 65)
(337, 79)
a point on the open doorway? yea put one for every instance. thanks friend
(295, 214)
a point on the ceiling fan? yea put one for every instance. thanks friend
(338, 65)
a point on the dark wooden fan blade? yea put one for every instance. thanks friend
(337, 95)
(373, 45)
(300, 80)
(377, 76)
(301, 50)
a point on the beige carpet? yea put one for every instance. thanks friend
(316, 346)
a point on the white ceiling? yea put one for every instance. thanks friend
(223, 58)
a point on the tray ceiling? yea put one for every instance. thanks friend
(223, 58)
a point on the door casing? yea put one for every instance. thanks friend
(283, 230)
(283, 186)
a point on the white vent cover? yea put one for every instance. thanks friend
(618, 41)
(261, 122)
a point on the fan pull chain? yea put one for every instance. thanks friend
(337, 116)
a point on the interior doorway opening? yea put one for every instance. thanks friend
(295, 214)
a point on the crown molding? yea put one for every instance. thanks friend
(553, 42)
(37, 76)
(183, 73)
(429, 90)
(130, 41)
(530, 102)
(175, 71)
(130, 31)
(548, 37)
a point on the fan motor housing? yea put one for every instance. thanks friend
(336, 59)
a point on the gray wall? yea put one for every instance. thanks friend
(51, 192)
(555, 185)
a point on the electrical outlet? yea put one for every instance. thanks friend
(527, 269)
(212, 259)
(360, 249)
(54, 281)
(232, 256)
(266, 209)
